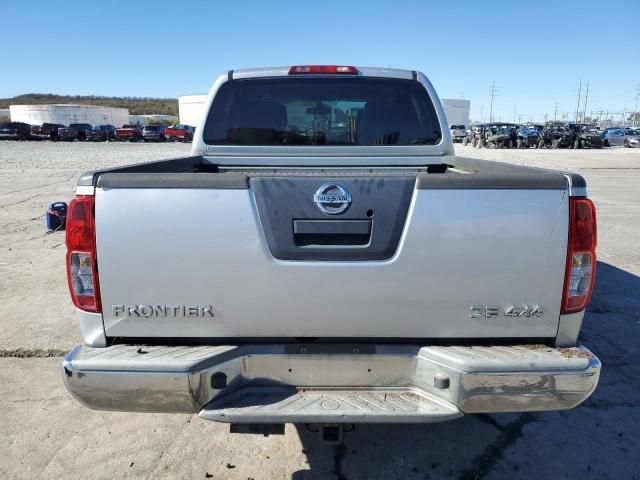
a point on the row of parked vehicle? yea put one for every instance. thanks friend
(552, 135)
(96, 133)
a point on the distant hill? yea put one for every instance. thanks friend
(136, 105)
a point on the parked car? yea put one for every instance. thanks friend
(15, 131)
(500, 135)
(556, 136)
(179, 133)
(102, 133)
(458, 132)
(154, 133)
(47, 131)
(619, 137)
(75, 131)
(528, 136)
(603, 132)
(261, 288)
(585, 136)
(131, 133)
(633, 141)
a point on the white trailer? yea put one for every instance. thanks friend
(457, 111)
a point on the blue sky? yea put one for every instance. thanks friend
(536, 51)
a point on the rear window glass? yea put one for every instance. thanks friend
(322, 111)
(151, 128)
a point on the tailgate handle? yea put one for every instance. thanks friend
(308, 233)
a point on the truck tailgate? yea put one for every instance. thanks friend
(210, 262)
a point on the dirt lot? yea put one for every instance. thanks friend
(46, 434)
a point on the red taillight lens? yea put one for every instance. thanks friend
(82, 271)
(581, 255)
(323, 69)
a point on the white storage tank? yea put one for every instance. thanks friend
(457, 111)
(66, 114)
(190, 108)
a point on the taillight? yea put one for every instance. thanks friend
(581, 255)
(323, 69)
(82, 271)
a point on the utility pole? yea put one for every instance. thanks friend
(578, 104)
(586, 96)
(493, 92)
(635, 112)
(555, 113)
(514, 114)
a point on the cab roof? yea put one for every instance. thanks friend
(284, 72)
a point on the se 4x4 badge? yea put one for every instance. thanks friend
(490, 311)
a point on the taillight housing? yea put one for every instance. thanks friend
(323, 69)
(82, 267)
(581, 255)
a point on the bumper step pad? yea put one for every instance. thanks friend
(290, 405)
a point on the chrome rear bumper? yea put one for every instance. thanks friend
(330, 383)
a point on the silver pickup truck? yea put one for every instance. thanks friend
(324, 257)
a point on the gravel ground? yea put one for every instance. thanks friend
(44, 433)
(32, 272)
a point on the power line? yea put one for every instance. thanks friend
(635, 112)
(584, 114)
(578, 104)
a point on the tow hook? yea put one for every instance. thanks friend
(330, 433)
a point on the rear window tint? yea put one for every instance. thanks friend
(322, 111)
